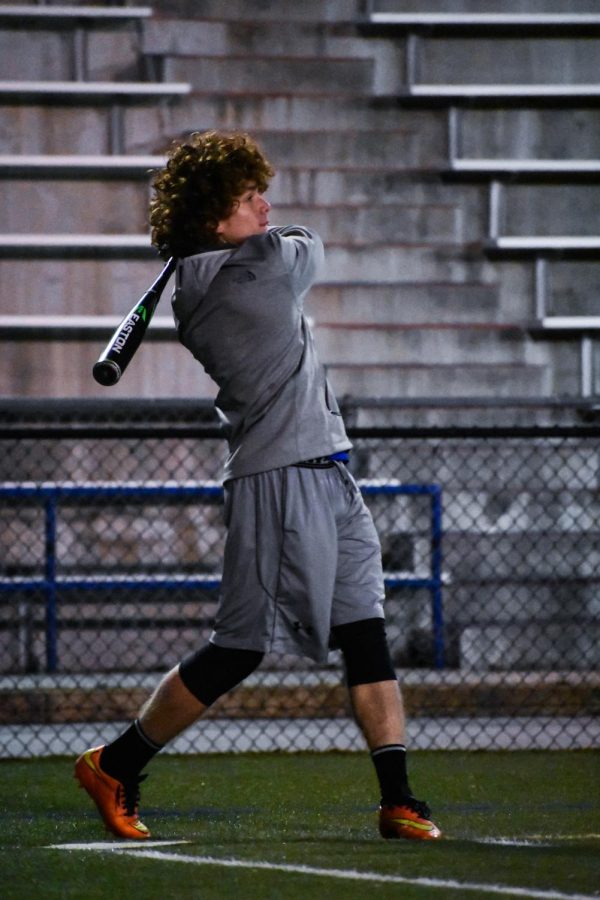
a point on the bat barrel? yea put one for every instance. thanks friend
(126, 339)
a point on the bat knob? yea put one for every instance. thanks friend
(106, 372)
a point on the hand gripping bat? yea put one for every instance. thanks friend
(129, 334)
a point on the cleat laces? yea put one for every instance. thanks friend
(128, 795)
(418, 806)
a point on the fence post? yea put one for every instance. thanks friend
(50, 584)
(436, 577)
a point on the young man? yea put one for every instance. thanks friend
(302, 569)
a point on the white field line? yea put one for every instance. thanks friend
(535, 840)
(509, 842)
(344, 874)
(113, 845)
(565, 837)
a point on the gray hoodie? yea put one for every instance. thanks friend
(239, 312)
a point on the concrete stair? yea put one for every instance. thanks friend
(560, 209)
(65, 369)
(272, 109)
(528, 133)
(66, 128)
(563, 299)
(404, 303)
(362, 225)
(392, 343)
(500, 60)
(290, 74)
(35, 207)
(251, 11)
(121, 207)
(432, 379)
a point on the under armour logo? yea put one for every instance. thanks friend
(245, 276)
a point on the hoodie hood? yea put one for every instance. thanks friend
(194, 275)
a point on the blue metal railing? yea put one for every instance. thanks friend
(52, 494)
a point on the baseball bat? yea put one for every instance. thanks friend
(129, 334)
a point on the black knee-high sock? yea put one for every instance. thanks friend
(126, 756)
(390, 765)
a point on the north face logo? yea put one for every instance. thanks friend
(245, 276)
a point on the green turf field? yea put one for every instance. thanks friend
(523, 824)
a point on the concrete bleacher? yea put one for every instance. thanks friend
(376, 177)
(469, 60)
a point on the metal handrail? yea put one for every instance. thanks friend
(51, 494)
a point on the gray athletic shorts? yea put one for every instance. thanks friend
(302, 555)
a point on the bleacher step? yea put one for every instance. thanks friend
(386, 150)
(118, 207)
(550, 62)
(527, 132)
(513, 380)
(241, 11)
(309, 185)
(85, 128)
(109, 287)
(169, 36)
(383, 262)
(448, 344)
(397, 303)
(309, 75)
(159, 370)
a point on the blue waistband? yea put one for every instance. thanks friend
(324, 462)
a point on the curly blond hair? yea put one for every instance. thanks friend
(199, 186)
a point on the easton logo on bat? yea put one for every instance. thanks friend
(125, 332)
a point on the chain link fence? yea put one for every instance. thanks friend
(112, 539)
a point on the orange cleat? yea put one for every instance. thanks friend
(117, 801)
(409, 820)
